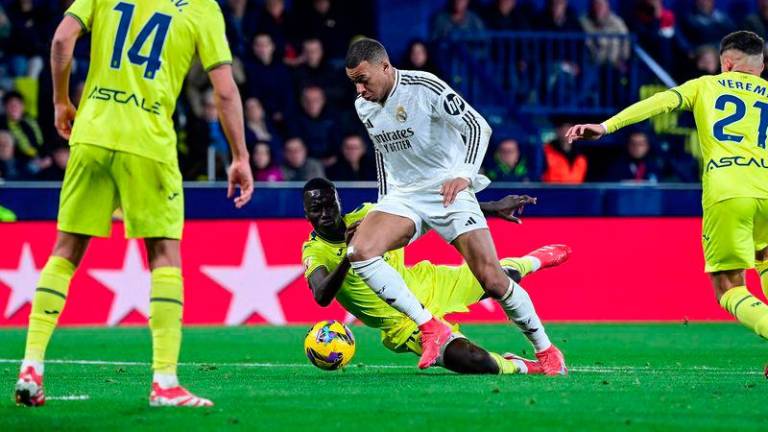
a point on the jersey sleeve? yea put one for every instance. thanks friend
(358, 214)
(313, 257)
(680, 97)
(460, 115)
(212, 45)
(82, 11)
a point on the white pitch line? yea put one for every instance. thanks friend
(579, 369)
(69, 398)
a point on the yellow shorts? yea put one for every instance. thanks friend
(99, 180)
(732, 231)
(442, 290)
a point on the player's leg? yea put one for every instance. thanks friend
(541, 258)
(382, 231)
(761, 244)
(153, 206)
(479, 252)
(88, 197)
(761, 266)
(728, 228)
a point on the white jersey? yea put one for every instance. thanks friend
(424, 134)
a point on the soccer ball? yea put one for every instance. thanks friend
(329, 345)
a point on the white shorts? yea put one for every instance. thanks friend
(426, 211)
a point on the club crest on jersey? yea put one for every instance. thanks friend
(400, 114)
(453, 104)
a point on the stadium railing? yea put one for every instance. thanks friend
(543, 72)
(39, 200)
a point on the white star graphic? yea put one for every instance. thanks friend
(254, 284)
(131, 285)
(22, 281)
(488, 304)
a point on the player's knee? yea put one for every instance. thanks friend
(71, 247)
(493, 279)
(462, 356)
(362, 252)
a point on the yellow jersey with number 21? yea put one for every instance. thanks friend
(141, 51)
(731, 113)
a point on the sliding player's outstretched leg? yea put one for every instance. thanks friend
(462, 356)
(47, 305)
(165, 317)
(541, 258)
(478, 250)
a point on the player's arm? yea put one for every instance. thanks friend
(508, 208)
(681, 97)
(230, 109)
(325, 285)
(62, 49)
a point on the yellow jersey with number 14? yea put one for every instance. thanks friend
(141, 51)
(731, 113)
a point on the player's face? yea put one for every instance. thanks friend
(371, 80)
(322, 209)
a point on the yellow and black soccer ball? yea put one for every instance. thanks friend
(329, 345)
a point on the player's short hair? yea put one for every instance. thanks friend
(365, 49)
(745, 41)
(318, 183)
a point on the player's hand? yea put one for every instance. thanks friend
(585, 132)
(351, 230)
(451, 189)
(64, 116)
(511, 207)
(239, 175)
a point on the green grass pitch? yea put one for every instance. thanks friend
(675, 377)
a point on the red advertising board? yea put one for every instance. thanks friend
(235, 271)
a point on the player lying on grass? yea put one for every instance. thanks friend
(731, 114)
(442, 289)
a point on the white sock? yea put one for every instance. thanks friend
(519, 308)
(36, 365)
(389, 285)
(535, 262)
(521, 365)
(165, 380)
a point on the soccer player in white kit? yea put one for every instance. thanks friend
(429, 145)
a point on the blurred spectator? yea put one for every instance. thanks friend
(705, 24)
(312, 68)
(354, 164)
(296, 165)
(456, 18)
(10, 168)
(636, 164)
(264, 168)
(273, 21)
(417, 58)
(325, 20)
(217, 140)
(564, 163)
(30, 29)
(316, 126)
(557, 16)
(600, 19)
(758, 21)
(55, 172)
(258, 128)
(707, 61)
(269, 79)
(5, 38)
(657, 32)
(197, 84)
(239, 19)
(25, 130)
(506, 15)
(508, 165)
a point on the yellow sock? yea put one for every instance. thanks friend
(506, 367)
(748, 309)
(166, 305)
(47, 305)
(523, 265)
(762, 270)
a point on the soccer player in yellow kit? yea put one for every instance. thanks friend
(731, 113)
(441, 289)
(123, 154)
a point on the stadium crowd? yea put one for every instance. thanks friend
(299, 115)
